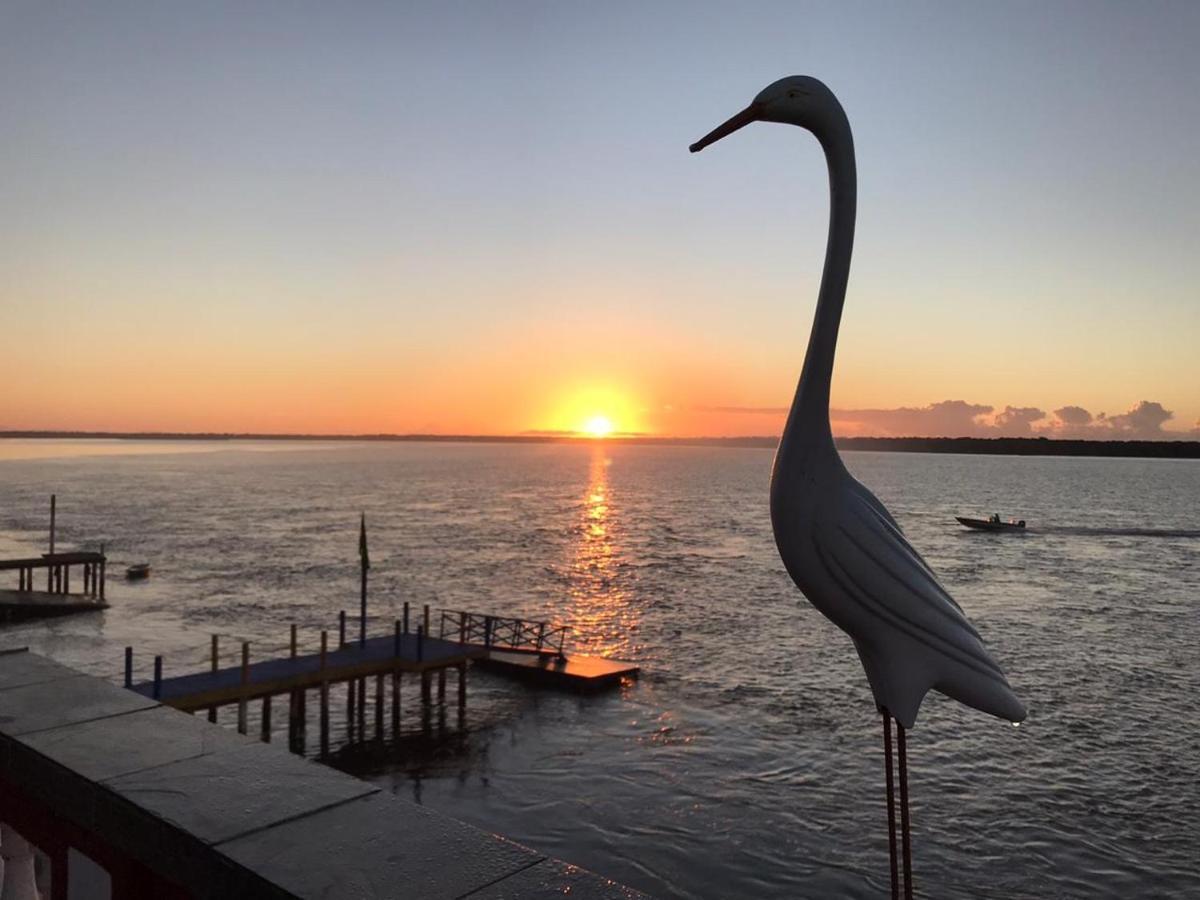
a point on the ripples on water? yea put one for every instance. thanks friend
(746, 763)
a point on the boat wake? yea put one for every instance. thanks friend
(1084, 531)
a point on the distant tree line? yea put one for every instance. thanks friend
(1038, 446)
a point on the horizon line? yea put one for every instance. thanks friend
(546, 437)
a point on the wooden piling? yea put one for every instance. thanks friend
(396, 702)
(266, 719)
(351, 690)
(426, 701)
(301, 722)
(341, 629)
(293, 700)
(462, 691)
(157, 693)
(241, 725)
(362, 709)
(427, 618)
(128, 667)
(324, 696)
(406, 617)
(379, 691)
(216, 664)
(442, 687)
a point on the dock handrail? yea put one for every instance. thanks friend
(501, 631)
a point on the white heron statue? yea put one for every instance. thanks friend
(837, 540)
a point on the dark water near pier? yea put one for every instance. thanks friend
(746, 762)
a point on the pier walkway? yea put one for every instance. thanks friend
(132, 799)
(377, 656)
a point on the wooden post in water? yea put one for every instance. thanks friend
(427, 619)
(396, 679)
(462, 692)
(426, 701)
(351, 690)
(212, 710)
(341, 629)
(396, 702)
(380, 687)
(266, 719)
(241, 726)
(365, 565)
(406, 617)
(128, 667)
(157, 677)
(301, 721)
(442, 687)
(293, 699)
(50, 571)
(362, 709)
(324, 697)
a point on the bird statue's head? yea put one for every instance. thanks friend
(795, 100)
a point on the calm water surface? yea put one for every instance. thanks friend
(747, 760)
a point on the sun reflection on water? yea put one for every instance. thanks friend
(600, 613)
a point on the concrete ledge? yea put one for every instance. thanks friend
(224, 816)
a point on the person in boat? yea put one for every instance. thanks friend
(994, 518)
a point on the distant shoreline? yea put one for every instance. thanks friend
(1169, 449)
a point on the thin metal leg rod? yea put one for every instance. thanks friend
(905, 830)
(891, 802)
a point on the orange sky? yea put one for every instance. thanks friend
(298, 221)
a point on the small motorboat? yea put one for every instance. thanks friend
(139, 572)
(993, 524)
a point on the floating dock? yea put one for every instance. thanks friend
(131, 799)
(28, 602)
(522, 649)
(579, 673)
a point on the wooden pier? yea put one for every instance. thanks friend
(531, 651)
(27, 602)
(383, 659)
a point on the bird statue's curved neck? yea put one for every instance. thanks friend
(808, 419)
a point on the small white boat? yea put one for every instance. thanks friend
(993, 524)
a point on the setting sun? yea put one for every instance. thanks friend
(598, 426)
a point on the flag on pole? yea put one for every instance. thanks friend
(362, 543)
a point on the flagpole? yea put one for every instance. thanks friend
(365, 564)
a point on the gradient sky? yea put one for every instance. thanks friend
(483, 217)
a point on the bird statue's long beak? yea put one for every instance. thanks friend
(742, 119)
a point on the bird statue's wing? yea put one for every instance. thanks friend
(874, 502)
(916, 637)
